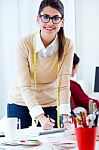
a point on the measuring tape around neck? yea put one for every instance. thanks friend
(35, 80)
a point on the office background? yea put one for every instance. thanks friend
(18, 19)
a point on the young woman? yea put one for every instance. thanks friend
(44, 64)
(78, 97)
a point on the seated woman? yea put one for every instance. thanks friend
(78, 97)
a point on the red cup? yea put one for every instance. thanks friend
(86, 138)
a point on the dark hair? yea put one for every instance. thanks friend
(76, 60)
(57, 4)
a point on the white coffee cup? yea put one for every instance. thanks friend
(10, 130)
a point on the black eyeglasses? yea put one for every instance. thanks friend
(46, 18)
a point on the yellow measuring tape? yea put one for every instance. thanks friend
(35, 63)
(35, 81)
(58, 101)
(35, 68)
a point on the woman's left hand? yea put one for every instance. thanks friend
(66, 120)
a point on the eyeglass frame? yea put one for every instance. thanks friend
(50, 18)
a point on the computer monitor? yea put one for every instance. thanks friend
(96, 82)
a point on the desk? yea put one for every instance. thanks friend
(46, 145)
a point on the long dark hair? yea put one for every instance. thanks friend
(57, 4)
(76, 60)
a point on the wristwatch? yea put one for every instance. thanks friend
(67, 120)
(64, 120)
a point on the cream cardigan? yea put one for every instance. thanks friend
(22, 89)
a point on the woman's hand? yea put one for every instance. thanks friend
(66, 121)
(46, 122)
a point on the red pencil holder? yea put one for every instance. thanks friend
(86, 138)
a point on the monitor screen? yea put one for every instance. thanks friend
(96, 83)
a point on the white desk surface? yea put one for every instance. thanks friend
(46, 145)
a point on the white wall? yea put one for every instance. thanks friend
(87, 40)
(69, 24)
(8, 38)
(18, 19)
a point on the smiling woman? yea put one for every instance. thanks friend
(43, 66)
(13, 26)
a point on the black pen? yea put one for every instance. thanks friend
(2, 135)
(96, 119)
(74, 115)
(50, 119)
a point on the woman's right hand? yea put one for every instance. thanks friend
(45, 122)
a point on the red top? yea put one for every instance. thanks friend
(78, 97)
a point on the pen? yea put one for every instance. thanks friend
(96, 119)
(2, 135)
(84, 121)
(72, 112)
(90, 106)
(75, 121)
(74, 115)
(50, 119)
